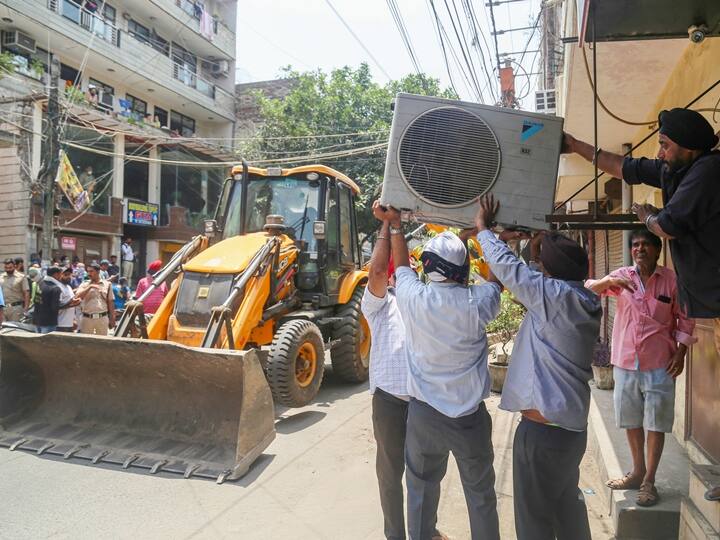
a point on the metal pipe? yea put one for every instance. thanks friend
(175, 261)
(249, 272)
(627, 197)
(595, 117)
(243, 200)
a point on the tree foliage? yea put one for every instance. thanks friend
(508, 321)
(345, 101)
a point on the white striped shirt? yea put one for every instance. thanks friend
(388, 353)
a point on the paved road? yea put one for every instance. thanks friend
(316, 481)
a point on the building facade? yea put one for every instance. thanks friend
(636, 79)
(147, 120)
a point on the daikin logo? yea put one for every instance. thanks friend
(529, 129)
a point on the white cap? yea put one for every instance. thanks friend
(448, 246)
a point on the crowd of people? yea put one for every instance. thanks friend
(71, 296)
(428, 365)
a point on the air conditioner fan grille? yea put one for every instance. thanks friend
(449, 156)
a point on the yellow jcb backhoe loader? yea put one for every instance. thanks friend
(254, 303)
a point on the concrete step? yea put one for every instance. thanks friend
(702, 478)
(693, 525)
(610, 449)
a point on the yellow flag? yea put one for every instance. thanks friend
(70, 185)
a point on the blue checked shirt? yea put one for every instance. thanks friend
(446, 341)
(388, 353)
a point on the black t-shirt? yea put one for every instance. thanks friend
(47, 304)
(691, 214)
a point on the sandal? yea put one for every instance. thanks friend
(713, 494)
(648, 495)
(626, 482)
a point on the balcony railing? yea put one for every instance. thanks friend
(194, 10)
(86, 19)
(193, 80)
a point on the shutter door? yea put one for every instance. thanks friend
(601, 266)
(615, 261)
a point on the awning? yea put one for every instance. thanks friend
(624, 20)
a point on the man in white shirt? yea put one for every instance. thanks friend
(388, 382)
(128, 259)
(447, 381)
(66, 316)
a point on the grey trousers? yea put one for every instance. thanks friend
(546, 473)
(389, 416)
(431, 436)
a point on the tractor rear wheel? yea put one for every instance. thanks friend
(295, 364)
(351, 356)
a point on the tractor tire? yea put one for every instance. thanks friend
(351, 356)
(295, 364)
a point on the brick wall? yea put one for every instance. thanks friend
(247, 112)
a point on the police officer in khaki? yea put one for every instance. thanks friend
(16, 291)
(96, 303)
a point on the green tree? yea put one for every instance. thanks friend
(346, 100)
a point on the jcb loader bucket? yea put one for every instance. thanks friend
(155, 405)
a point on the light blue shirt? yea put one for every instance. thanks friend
(2, 299)
(447, 345)
(550, 365)
(388, 353)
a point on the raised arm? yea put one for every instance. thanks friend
(378, 274)
(606, 161)
(611, 285)
(526, 284)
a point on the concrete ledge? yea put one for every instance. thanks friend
(608, 445)
(693, 526)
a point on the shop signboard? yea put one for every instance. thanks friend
(68, 243)
(141, 213)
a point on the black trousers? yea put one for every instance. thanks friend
(389, 416)
(431, 436)
(546, 473)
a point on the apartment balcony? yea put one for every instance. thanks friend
(184, 12)
(118, 51)
(87, 20)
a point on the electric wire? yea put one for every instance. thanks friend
(468, 60)
(402, 30)
(357, 39)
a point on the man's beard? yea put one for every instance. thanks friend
(677, 164)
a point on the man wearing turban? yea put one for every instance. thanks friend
(547, 381)
(687, 170)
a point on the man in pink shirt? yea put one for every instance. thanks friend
(152, 302)
(651, 335)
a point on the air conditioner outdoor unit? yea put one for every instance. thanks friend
(220, 68)
(444, 154)
(18, 42)
(545, 101)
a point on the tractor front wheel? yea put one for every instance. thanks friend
(351, 355)
(295, 364)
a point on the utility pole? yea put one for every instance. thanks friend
(52, 162)
(507, 86)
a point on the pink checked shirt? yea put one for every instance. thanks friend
(646, 326)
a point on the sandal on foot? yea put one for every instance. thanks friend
(647, 495)
(713, 494)
(626, 482)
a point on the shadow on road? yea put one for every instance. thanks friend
(296, 422)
